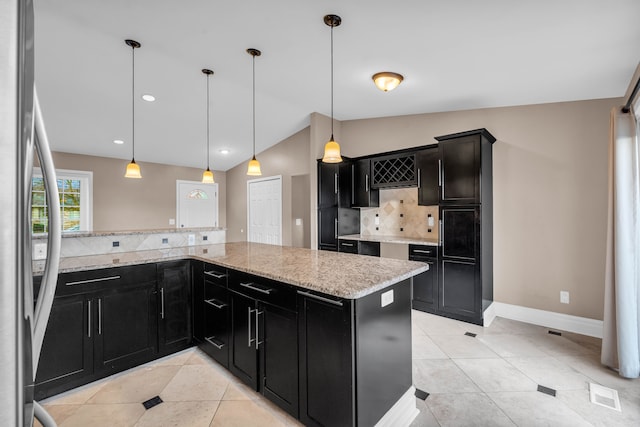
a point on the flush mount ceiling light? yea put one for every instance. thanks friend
(207, 176)
(223, 151)
(386, 80)
(149, 98)
(332, 148)
(254, 166)
(133, 170)
(118, 141)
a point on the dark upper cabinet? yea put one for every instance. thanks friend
(174, 320)
(466, 167)
(363, 196)
(428, 166)
(327, 184)
(394, 170)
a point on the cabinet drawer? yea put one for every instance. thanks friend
(262, 289)
(416, 252)
(350, 246)
(215, 275)
(214, 295)
(93, 280)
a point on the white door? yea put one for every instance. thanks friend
(196, 204)
(264, 210)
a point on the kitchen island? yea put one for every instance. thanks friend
(326, 336)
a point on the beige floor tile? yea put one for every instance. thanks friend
(441, 376)
(195, 382)
(237, 391)
(550, 372)
(511, 345)
(78, 395)
(234, 413)
(423, 347)
(197, 358)
(179, 414)
(425, 418)
(136, 386)
(462, 346)
(467, 409)
(436, 325)
(58, 412)
(494, 375)
(593, 369)
(558, 346)
(107, 415)
(534, 409)
(578, 400)
(178, 359)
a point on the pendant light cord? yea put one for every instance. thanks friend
(254, 106)
(332, 139)
(208, 121)
(133, 96)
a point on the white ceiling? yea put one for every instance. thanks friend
(455, 55)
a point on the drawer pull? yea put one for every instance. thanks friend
(422, 251)
(346, 244)
(216, 303)
(254, 287)
(99, 279)
(215, 274)
(319, 298)
(214, 342)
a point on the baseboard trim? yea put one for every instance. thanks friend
(403, 412)
(549, 319)
(489, 315)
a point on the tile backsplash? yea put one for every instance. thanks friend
(399, 215)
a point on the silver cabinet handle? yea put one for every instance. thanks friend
(99, 316)
(353, 186)
(335, 182)
(366, 183)
(319, 298)
(217, 304)
(346, 244)
(162, 303)
(335, 227)
(250, 285)
(99, 279)
(258, 313)
(89, 319)
(249, 339)
(211, 341)
(419, 183)
(215, 274)
(421, 251)
(439, 172)
(440, 232)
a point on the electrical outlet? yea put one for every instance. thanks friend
(430, 221)
(376, 220)
(564, 297)
(172, 221)
(39, 251)
(191, 239)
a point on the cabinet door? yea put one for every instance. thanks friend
(363, 196)
(460, 232)
(243, 362)
(67, 352)
(425, 288)
(216, 326)
(327, 185)
(427, 162)
(326, 357)
(174, 286)
(328, 228)
(460, 289)
(278, 347)
(125, 327)
(460, 170)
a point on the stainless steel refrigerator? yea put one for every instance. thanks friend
(23, 315)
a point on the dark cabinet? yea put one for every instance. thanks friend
(198, 305)
(174, 321)
(394, 170)
(348, 246)
(327, 185)
(264, 338)
(328, 229)
(428, 166)
(362, 195)
(216, 314)
(369, 248)
(425, 285)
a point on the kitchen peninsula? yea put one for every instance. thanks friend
(326, 336)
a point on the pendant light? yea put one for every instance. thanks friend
(207, 176)
(254, 165)
(332, 148)
(133, 170)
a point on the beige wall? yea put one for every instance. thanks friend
(550, 193)
(120, 203)
(288, 158)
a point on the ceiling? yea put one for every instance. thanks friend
(455, 55)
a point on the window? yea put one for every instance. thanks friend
(76, 201)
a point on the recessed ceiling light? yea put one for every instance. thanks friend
(118, 141)
(224, 151)
(149, 98)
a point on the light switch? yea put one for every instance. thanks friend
(430, 221)
(376, 221)
(172, 221)
(39, 251)
(298, 221)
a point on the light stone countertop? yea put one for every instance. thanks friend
(130, 232)
(338, 274)
(391, 239)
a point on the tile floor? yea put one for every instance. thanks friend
(487, 380)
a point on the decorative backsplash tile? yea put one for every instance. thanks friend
(399, 215)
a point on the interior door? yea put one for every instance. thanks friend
(264, 210)
(196, 204)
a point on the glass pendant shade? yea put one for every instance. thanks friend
(387, 81)
(332, 152)
(133, 170)
(207, 177)
(254, 167)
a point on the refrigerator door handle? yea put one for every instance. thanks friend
(54, 241)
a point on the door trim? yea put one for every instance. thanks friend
(253, 181)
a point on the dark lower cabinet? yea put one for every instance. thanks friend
(198, 307)
(216, 316)
(174, 321)
(328, 229)
(425, 285)
(243, 362)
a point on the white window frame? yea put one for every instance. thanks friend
(86, 195)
